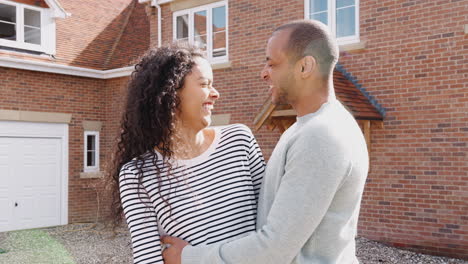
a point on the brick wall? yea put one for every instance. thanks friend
(86, 99)
(414, 64)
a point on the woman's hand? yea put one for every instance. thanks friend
(173, 252)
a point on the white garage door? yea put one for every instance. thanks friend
(32, 157)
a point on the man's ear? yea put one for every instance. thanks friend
(308, 66)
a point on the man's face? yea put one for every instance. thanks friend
(278, 71)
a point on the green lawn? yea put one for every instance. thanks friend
(33, 246)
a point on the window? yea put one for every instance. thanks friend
(206, 27)
(26, 27)
(342, 16)
(91, 151)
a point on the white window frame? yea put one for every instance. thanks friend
(209, 31)
(332, 21)
(47, 29)
(85, 151)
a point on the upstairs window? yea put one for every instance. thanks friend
(206, 27)
(26, 27)
(341, 16)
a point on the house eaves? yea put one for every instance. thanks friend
(351, 94)
(65, 69)
(356, 84)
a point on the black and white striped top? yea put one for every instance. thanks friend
(210, 198)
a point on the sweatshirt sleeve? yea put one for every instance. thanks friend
(315, 167)
(141, 219)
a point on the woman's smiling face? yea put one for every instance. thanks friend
(197, 96)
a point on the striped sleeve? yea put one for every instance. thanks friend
(141, 219)
(256, 164)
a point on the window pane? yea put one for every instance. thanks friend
(32, 35)
(91, 158)
(318, 6)
(345, 22)
(200, 29)
(219, 19)
(200, 23)
(343, 3)
(322, 17)
(32, 18)
(219, 31)
(91, 142)
(219, 44)
(7, 13)
(7, 31)
(182, 27)
(7, 22)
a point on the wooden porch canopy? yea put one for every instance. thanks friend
(359, 103)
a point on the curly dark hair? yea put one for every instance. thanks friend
(149, 113)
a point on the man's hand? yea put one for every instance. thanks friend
(173, 253)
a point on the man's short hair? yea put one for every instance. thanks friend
(311, 38)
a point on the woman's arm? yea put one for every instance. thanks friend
(141, 219)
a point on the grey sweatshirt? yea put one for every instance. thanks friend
(310, 199)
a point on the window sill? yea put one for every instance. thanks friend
(91, 174)
(25, 53)
(359, 45)
(23, 46)
(221, 65)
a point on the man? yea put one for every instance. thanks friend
(310, 199)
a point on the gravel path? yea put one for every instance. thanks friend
(371, 252)
(93, 244)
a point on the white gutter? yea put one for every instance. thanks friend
(64, 69)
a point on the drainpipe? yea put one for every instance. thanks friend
(155, 4)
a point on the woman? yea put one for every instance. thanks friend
(175, 174)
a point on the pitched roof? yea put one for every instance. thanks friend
(103, 30)
(361, 105)
(134, 40)
(99, 34)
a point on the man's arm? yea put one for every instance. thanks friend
(315, 168)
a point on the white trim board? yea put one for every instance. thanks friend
(23, 64)
(64, 69)
(58, 10)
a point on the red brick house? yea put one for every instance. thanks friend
(62, 67)
(402, 73)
